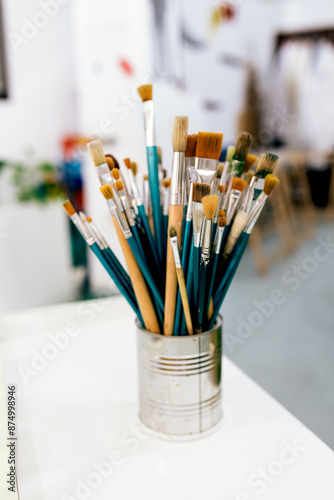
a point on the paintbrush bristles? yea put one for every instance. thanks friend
(243, 146)
(107, 192)
(96, 152)
(209, 145)
(191, 145)
(69, 208)
(199, 191)
(110, 162)
(238, 184)
(119, 186)
(134, 168)
(172, 232)
(115, 173)
(222, 222)
(266, 164)
(221, 213)
(249, 162)
(219, 171)
(221, 188)
(210, 204)
(145, 92)
(127, 162)
(180, 134)
(230, 153)
(270, 183)
(166, 183)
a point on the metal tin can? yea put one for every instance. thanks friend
(180, 381)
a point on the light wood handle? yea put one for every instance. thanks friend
(138, 283)
(184, 298)
(175, 219)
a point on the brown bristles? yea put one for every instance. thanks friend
(89, 219)
(166, 183)
(210, 204)
(219, 171)
(107, 192)
(209, 145)
(221, 213)
(134, 168)
(127, 162)
(270, 183)
(199, 191)
(110, 162)
(145, 92)
(180, 132)
(238, 184)
(145, 177)
(96, 152)
(222, 222)
(159, 153)
(116, 164)
(119, 185)
(115, 173)
(69, 208)
(172, 232)
(249, 162)
(249, 177)
(191, 145)
(221, 188)
(243, 146)
(266, 165)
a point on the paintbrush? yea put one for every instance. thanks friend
(129, 214)
(93, 245)
(180, 278)
(210, 204)
(271, 182)
(199, 192)
(179, 140)
(217, 179)
(266, 165)
(221, 189)
(208, 150)
(145, 92)
(165, 210)
(136, 266)
(243, 145)
(189, 168)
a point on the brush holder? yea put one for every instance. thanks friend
(180, 382)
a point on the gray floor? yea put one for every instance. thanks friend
(291, 354)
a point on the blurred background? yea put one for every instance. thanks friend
(69, 70)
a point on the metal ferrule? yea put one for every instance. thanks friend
(218, 240)
(189, 214)
(104, 174)
(126, 207)
(177, 182)
(227, 193)
(75, 218)
(148, 108)
(146, 196)
(165, 207)
(134, 188)
(115, 212)
(206, 169)
(225, 173)
(93, 234)
(98, 235)
(256, 212)
(206, 241)
(198, 216)
(248, 199)
(175, 247)
(232, 205)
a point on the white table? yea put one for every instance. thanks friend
(79, 409)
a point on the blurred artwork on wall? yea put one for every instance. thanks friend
(3, 74)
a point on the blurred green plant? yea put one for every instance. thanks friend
(39, 184)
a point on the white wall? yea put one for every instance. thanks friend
(41, 106)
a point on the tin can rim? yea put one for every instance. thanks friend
(217, 325)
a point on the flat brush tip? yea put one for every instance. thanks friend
(119, 185)
(107, 192)
(69, 208)
(210, 204)
(145, 92)
(221, 188)
(96, 152)
(199, 191)
(166, 183)
(270, 183)
(115, 173)
(266, 164)
(239, 184)
(209, 145)
(191, 145)
(172, 232)
(243, 146)
(180, 134)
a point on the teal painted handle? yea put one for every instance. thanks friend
(190, 289)
(120, 271)
(153, 171)
(231, 269)
(201, 297)
(196, 264)
(146, 224)
(185, 266)
(211, 280)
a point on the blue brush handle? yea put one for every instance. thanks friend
(211, 280)
(183, 228)
(146, 225)
(153, 172)
(99, 254)
(201, 297)
(231, 269)
(119, 270)
(214, 229)
(147, 274)
(196, 264)
(190, 289)
(135, 232)
(185, 261)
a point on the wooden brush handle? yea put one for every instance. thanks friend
(175, 219)
(184, 298)
(138, 283)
